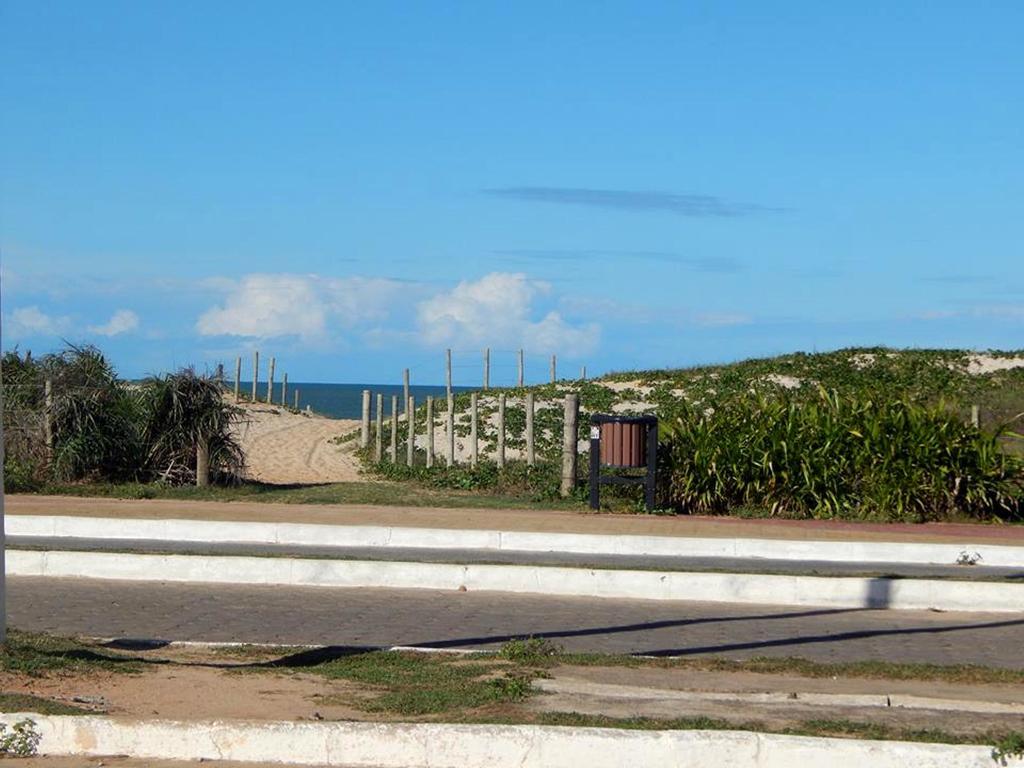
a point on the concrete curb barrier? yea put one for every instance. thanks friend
(299, 534)
(477, 746)
(835, 592)
(802, 699)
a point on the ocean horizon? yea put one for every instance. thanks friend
(343, 401)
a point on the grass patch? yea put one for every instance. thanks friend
(406, 683)
(400, 494)
(874, 670)
(23, 702)
(30, 653)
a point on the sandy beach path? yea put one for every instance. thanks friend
(283, 447)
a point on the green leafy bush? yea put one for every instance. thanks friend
(838, 456)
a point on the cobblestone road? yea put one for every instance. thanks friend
(375, 617)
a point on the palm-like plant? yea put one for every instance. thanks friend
(95, 417)
(187, 415)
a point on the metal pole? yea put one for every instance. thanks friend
(487, 369)
(522, 369)
(3, 535)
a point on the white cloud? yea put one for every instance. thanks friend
(32, 321)
(274, 305)
(497, 310)
(122, 321)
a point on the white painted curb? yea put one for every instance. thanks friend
(836, 592)
(478, 746)
(298, 534)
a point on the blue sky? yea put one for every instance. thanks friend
(354, 187)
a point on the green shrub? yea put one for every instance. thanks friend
(838, 456)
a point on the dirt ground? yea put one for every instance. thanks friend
(282, 447)
(202, 683)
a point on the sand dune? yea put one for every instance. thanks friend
(284, 447)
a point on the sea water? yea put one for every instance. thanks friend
(344, 401)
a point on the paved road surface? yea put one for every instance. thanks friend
(376, 617)
(643, 562)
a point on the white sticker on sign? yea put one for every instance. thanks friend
(595, 433)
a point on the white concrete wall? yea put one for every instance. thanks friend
(439, 538)
(836, 592)
(480, 746)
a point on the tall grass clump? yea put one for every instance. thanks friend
(106, 429)
(839, 456)
(181, 410)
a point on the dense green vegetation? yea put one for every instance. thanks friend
(839, 456)
(857, 433)
(106, 429)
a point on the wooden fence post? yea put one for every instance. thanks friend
(569, 443)
(394, 429)
(430, 431)
(449, 424)
(583, 373)
(448, 372)
(379, 438)
(405, 389)
(296, 398)
(487, 369)
(975, 416)
(531, 455)
(48, 419)
(501, 430)
(284, 391)
(410, 425)
(522, 369)
(270, 381)
(238, 377)
(255, 373)
(554, 376)
(364, 432)
(202, 463)
(474, 441)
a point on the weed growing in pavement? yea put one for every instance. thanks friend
(1011, 745)
(22, 741)
(424, 684)
(529, 650)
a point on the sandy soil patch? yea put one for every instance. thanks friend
(979, 364)
(200, 683)
(654, 693)
(282, 447)
(786, 382)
